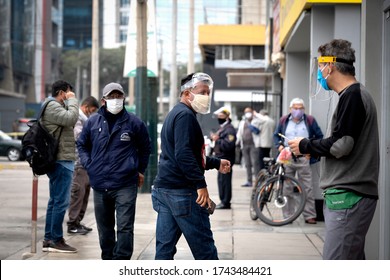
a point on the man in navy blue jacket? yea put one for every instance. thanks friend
(114, 148)
(225, 147)
(180, 195)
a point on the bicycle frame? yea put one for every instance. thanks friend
(269, 200)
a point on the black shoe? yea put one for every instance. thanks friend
(85, 227)
(61, 247)
(77, 230)
(222, 206)
(45, 245)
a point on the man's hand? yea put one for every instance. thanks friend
(70, 94)
(141, 179)
(294, 145)
(214, 136)
(203, 197)
(224, 167)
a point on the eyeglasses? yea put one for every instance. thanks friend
(115, 96)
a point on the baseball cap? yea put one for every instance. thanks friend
(111, 87)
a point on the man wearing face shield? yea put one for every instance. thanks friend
(350, 155)
(114, 148)
(298, 124)
(180, 195)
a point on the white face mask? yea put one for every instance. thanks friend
(114, 106)
(200, 103)
(248, 115)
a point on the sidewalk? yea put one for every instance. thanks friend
(236, 235)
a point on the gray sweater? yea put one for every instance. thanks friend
(350, 150)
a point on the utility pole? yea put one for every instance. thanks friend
(95, 50)
(173, 90)
(141, 71)
(161, 83)
(190, 66)
(146, 93)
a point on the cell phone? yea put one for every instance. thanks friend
(211, 207)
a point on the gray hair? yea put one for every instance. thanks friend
(297, 100)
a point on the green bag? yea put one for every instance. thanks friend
(337, 199)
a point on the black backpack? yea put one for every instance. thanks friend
(39, 147)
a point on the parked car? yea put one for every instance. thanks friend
(11, 148)
(20, 127)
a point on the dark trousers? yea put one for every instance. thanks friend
(79, 196)
(264, 152)
(225, 187)
(120, 204)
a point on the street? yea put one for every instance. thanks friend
(15, 207)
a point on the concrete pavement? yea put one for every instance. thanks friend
(237, 237)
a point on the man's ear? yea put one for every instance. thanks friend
(330, 67)
(185, 93)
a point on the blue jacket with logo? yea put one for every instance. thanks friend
(113, 160)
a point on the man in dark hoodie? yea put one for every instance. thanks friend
(114, 147)
(180, 195)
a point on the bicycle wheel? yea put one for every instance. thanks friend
(279, 200)
(261, 177)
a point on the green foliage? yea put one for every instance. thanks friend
(111, 62)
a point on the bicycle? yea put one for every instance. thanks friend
(277, 199)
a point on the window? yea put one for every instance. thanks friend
(125, 3)
(122, 36)
(241, 52)
(124, 18)
(257, 52)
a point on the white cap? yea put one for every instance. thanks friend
(224, 110)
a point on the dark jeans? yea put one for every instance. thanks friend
(121, 202)
(225, 187)
(59, 188)
(178, 214)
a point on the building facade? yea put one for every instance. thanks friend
(30, 32)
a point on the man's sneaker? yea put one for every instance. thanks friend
(61, 247)
(77, 230)
(45, 245)
(85, 227)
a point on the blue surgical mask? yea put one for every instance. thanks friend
(322, 80)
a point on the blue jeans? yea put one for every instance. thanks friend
(121, 202)
(59, 191)
(178, 214)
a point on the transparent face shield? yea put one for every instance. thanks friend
(200, 80)
(318, 83)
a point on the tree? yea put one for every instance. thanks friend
(111, 61)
